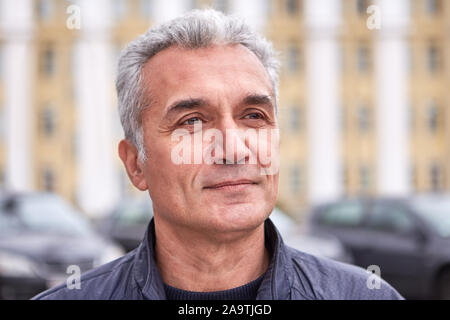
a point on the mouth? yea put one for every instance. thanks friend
(234, 185)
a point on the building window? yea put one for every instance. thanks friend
(410, 59)
(221, 5)
(295, 179)
(1, 61)
(146, 8)
(119, 9)
(361, 7)
(364, 178)
(48, 121)
(48, 180)
(364, 118)
(294, 118)
(411, 118)
(342, 59)
(293, 6)
(435, 177)
(44, 9)
(343, 118)
(363, 59)
(2, 178)
(345, 179)
(193, 4)
(433, 59)
(74, 146)
(48, 61)
(433, 7)
(2, 123)
(413, 177)
(433, 117)
(293, 59)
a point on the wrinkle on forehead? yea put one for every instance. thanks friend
(175, 65)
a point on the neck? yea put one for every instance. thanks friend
(192, 261)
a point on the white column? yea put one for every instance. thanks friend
(322, 20)
(254, 12)
(16, 22)
(164, 10)
(93, 77)
(391, 78)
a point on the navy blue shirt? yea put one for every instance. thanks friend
(291, 275)
(248, 291)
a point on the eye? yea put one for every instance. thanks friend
(254, 116)
(192, 121)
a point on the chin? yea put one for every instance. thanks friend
(236, 218)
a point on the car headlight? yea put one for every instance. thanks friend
(16, 265)
(110, 253)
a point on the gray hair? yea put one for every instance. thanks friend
(195, 29)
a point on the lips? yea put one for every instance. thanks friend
(231, 184)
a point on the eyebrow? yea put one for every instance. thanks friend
(185, 104)
(191, 103)
(258, 99)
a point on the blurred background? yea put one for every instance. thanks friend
(364, 121)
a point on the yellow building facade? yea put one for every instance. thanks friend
(430, 98)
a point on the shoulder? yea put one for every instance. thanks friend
(321, 278)
(109, 281)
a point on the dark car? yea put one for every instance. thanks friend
(408, 238)
(40, 237)
(127, 223)
(294, 236)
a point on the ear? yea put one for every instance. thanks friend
(135, 168)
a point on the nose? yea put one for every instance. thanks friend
(235, 143)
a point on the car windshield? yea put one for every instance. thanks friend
(436, 211)
(43, 213)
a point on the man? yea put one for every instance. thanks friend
(206, 74)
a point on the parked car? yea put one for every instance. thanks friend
(408, 238)
(127, 223)
(40, 236)
(294, 236)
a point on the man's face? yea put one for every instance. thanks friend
(223, 88)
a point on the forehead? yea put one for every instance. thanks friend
(176, 72)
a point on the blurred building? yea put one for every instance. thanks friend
(363, 110)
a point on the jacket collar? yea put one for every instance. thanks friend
(275, 284)
(145, 269)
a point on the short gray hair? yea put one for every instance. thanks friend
(195, 29)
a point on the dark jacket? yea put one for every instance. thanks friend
(292, 274)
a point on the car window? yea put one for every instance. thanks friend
(435, 211)
(47, 213)
(8, 222)
(345, 214)
(132, 213)
(390, 218)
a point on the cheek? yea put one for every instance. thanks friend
(158, 167)
(166, 179)
(275, 185)
(271, 184)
